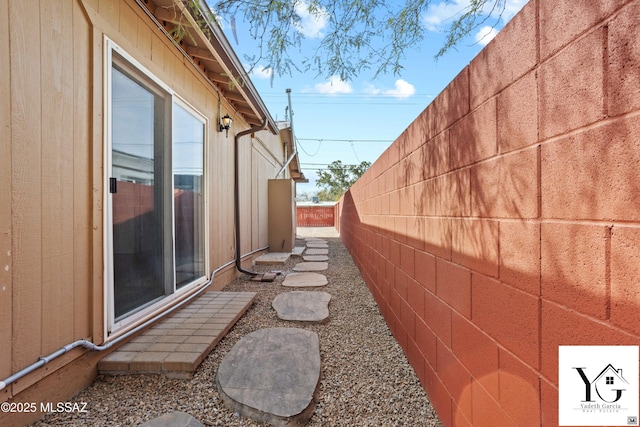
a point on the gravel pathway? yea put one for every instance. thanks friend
(366, 379)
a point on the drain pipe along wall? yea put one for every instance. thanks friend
(236, 192)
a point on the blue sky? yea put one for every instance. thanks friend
(357, 120)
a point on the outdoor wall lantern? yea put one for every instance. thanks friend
(225, 123)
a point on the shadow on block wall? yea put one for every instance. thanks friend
(504, 221)
(485, 347)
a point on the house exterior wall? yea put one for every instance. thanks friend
(505, 220)
(47, 195)
(52, 245)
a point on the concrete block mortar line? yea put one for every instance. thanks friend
(172, 339)
(118, 361)
(180, 362)
(134, 347)
(195, 339)
(178, 332)
(163, 347)
(153, 331)
(147, 362)
(208, 333)
(146, 338)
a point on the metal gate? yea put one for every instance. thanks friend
(314, 216)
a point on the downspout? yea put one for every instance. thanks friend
(236, 191)
(43, 360)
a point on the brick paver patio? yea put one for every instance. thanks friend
(178, 344)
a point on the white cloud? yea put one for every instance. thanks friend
(371, 89)
(485, 35)
(402, 90)
(334, 85)
(311, 23)
(512, 7)
(441, 14)
(261, 72)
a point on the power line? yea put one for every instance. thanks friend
(404, 104)
(319, 167)
(354, 150)
(386, 141)
(305, 151)
(355, 99)
(316, 95)
(326, 164)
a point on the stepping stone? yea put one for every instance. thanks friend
(318, 245)
(303, 306)
(273, 258)
(174, 419)
(272, 375)
(315, 258)
(316, 241)
(297, 251)
(317, 251)
(311, 266)
(302, 280)
(266, 277)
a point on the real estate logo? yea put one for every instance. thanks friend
(598, 385)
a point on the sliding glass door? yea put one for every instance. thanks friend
(138, 197)
(156, 194)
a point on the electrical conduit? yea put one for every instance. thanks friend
(43, 360)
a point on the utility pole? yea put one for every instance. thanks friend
(290, 114)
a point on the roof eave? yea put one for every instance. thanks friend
(221, 52)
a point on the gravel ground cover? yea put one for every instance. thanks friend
(366, 379)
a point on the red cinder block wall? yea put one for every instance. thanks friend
(505, 221)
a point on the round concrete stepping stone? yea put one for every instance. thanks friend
(173, 419)
(311, 266)
(317, 252)
(317, 245)
(273, 258)
(302, 306)
(322, 241)
(302, 280)
(271, 375)
(315, 258)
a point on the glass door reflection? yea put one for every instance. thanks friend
(188, 171)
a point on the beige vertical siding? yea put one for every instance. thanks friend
(26, 181)
(6, 267)
(245, 153)
(57, 166)
(46, 200)
(82, 177)
(52, 168)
